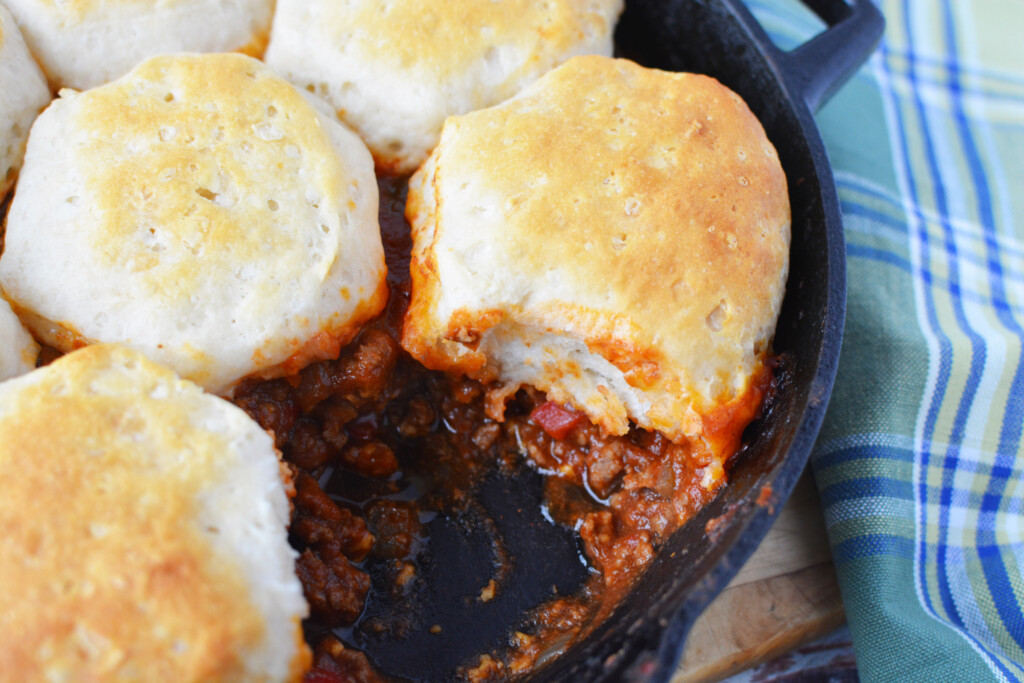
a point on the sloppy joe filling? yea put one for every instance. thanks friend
(380, 445)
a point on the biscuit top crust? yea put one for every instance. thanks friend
(434, 40)
(642, 212)
(105, 571)
(208, 214)
(253, 132)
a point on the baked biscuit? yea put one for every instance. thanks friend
(24, 96)
(615, 236)
(84, 43)
(395, 69)
(144, 531)
(200, 210)
(18, 351)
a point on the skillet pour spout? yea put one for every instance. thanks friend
(642, 640)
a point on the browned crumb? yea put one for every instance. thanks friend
(407, 574)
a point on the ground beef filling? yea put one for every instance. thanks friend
(337, 419)
(339, 424)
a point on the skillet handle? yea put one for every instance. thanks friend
(823, 64)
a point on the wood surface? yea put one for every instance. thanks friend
(785, 596)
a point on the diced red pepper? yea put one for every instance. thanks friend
(555, 419)
(316, 675)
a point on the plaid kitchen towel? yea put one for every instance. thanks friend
(920, 460)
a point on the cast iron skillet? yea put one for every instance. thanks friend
(502, 523)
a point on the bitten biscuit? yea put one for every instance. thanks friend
(144, 531)
(395, 69)
(202, 211)
(24, 94)
(84, 43)
(18, 351)
(615, 236)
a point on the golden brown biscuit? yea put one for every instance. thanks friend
(394, 69)
(615, 236)
(202, 210)
(144, 531)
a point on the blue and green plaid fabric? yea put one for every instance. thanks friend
(920, 462)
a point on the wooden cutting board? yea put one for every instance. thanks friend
(786, 595)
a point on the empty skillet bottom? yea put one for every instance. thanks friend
(430, 547)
